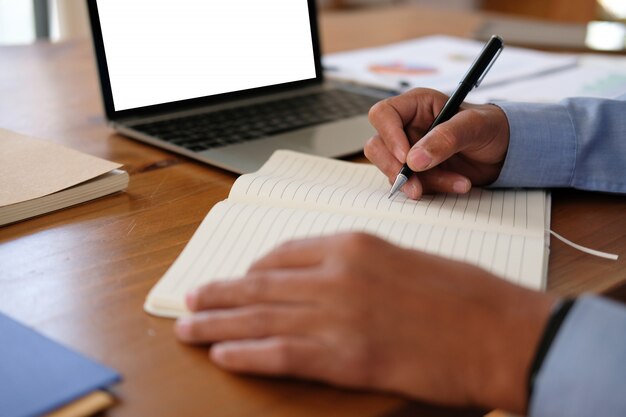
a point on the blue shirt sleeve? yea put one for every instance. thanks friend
(584, 372)
(579, 143)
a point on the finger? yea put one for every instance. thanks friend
(278, 286)
(439, 180)
(297, 253)
(250, 322)
(389, 118)
(285, 356)
(379, 155)
(445, 140)
(405, 118)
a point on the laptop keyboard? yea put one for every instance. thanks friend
(225, 127)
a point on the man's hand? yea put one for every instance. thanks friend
(467, 149)
(356, 311)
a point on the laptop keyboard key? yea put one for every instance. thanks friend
(221, 128)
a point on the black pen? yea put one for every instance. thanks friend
(472, 79)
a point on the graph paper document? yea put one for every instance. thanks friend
(298, 195)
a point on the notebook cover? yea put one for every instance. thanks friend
(39, 375)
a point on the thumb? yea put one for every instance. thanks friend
(442, 142)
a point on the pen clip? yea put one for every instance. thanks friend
(493, 61)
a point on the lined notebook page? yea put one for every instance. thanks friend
(234, 234)
(292, 179)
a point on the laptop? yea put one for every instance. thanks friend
(226, 82)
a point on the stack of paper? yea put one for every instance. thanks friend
(438, 62)
(598, 76)
(38, 177)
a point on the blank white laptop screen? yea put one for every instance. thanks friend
(163, 51)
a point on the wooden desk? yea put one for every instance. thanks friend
(80, 275)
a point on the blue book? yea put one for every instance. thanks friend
(39, 375)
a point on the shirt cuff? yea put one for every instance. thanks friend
(542, 146)
(584, 373)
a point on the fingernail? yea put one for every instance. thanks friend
(420, 159)
(183, 327)
(191, 299)
(417, 190)
(412, 190)
(461, 186)
(218, 354)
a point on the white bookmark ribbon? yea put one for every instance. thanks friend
(584, 249)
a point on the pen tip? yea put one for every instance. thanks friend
(398, 183)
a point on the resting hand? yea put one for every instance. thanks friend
(467, 149)
(353, 310)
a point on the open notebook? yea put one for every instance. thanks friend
(297, 195)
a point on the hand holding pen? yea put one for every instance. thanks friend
(450, 151)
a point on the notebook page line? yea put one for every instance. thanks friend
(266, 174)
(367, 195)
(444, 213)
(208, 246)
(309, 185)
(214, 252)
(442, 240)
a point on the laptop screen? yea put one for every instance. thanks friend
(167, 51)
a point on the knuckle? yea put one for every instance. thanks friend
(258, 264)
(353, 246)
(284, 355)
(374, 110)
(370, 147)
(352, 250)
(424, 90)
(259, 321)
(362, 365)
(447, 137)
(377, 109)
(358, 358)
(475, 116)
(358, 242)
(374, 151)
(287, 246)
(256, 286)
